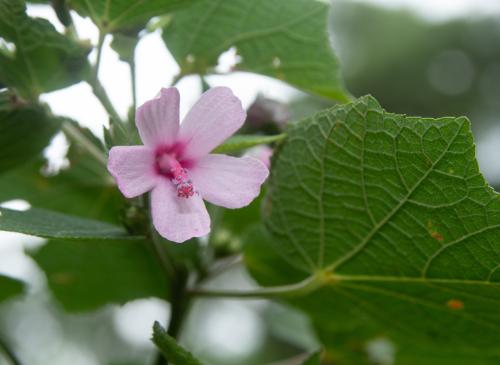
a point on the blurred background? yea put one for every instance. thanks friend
(426, 58)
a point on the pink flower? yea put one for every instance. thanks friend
(175, 163)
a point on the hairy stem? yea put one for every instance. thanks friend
(99, 90)
(179, 305)
(103, 97)
(134, 82)
(75, 135)
(100, 44)
(165, 263)
(301, 288)
(177, 78)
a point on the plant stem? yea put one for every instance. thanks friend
(99, 90)
(74, 134)
(301, 288)
(134, 82)
(9, 354)
(101, 94)
(166, 265)
(177, 78)
(100, 44)
(179, 304)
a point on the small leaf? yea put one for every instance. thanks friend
(25, 130)
(42, 59)
(124, 45)
(285, 39)
(84, 275)
(240, 142)
(9, 287)
(175, 354)
(48, 224)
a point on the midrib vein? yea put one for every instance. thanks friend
(349, 255)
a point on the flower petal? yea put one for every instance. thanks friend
(178, 219)
(158, 119)
(214, 118)
(133, 169)
(231, 182)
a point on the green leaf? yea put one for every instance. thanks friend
(285, 39)
(43, 59)
(124, 45)
(84, 188)
(175, 354)
(25, 130)
(241, 142)
(84, 275)
(395, 213)
(9, 287)
(48, 224)
(123, 14)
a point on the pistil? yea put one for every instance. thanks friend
(169, 167)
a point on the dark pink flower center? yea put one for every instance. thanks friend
(170, 166)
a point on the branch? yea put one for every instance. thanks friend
(74, 134)
(100, 44)
(298, 289)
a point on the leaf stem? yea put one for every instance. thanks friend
(303, 287)
(99, 90)
(160, 253)
(74, 134)
(240, 142)
(134, 82)
(9, 354)
(103, 97)
(100, 44)
(177, 78)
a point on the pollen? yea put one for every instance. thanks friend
(182, 182)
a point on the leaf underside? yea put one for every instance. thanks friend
(285, 39)
(43, 60)
(49, 224)
(24, 132)
(87, 274)
(396, 210)
(124, 14)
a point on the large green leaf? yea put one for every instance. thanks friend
(84, 275)
(9, 287)
(173, 352)
(112, 15)
(395, 214)
(43, 59)
(25, 130)
(347, 328)
(49, 224)
(285, 39)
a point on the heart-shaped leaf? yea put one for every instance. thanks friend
(395, 215)
(285, 39)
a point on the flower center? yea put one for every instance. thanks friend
(168, 166)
